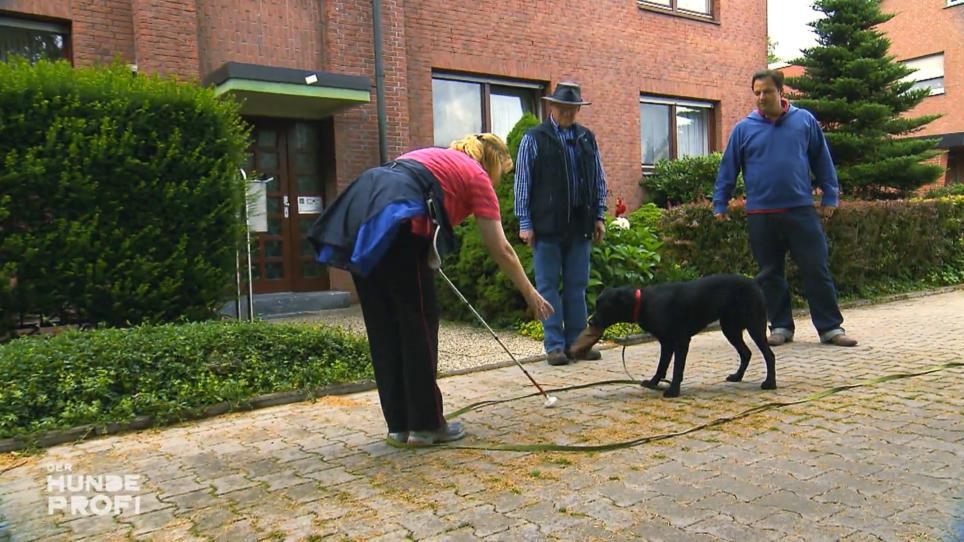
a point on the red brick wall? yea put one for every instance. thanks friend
(924, 27)
(940, 160)
(101, 30)
(165, 37)
(275, 33)
(654, 53)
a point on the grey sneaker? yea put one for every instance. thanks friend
(557, 357)
(400, 437)
(776, 338)
(451, 431)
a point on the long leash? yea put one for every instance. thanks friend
(542, 447)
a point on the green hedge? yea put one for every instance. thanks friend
(947, 190)
(688, 179)
(872, 243)
(119, 194)
(166, 371)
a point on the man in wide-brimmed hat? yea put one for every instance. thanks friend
(560, 199)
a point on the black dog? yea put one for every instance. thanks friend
(674, 312)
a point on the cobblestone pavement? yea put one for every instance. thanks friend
(878, 462)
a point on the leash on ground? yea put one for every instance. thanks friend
(510, 447)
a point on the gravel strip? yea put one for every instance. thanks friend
(461, 346)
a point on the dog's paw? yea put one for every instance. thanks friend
(735, 377)
(769, 385)
(651, 384)
(671, 392)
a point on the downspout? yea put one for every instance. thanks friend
(380, 81)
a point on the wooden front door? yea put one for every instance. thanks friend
(282, 258)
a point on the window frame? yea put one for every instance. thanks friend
(674, 10)
(674, 103)
(929, 76)
(16, 20)
(487, 82)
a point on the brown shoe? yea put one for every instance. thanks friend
(589, 355)
(776, 339)
(842, 340)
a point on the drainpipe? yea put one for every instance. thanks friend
(380, 81)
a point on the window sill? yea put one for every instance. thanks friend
(681, 14)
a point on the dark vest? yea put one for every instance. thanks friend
(552, 207)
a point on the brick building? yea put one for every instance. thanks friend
(666, 77)
(929, 35)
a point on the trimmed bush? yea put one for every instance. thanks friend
(944, 191)
(686, 180)
(872, 243)
(120, 194)
(166, 371)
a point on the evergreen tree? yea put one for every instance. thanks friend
(857, 92)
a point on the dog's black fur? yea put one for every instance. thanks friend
(674, 312)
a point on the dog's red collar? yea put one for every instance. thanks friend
(639, 298)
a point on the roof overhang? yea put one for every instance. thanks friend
(286, 92)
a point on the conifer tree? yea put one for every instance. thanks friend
(857, 91)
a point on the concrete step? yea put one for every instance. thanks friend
(287, 304)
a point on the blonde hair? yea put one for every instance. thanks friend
(488, 150)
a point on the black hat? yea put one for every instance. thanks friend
(566, 93)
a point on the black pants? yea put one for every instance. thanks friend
(399, 304)
(799, 231)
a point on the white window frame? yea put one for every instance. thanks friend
(930, 68)
(672, 6)
(487, 82)
(674, 103)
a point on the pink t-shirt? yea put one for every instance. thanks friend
(468, 189)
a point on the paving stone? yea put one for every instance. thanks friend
(280, 480)
(178, 486)
(85, 526)
(548, 517)
(227, 484)
(330, 477)
(193, 500)
(240, 531)
(149, 522)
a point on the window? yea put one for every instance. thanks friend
(685, 7)
(671, 128)
(465, 104)
(929, 73)
(33, 40)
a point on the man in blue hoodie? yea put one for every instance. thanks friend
(782, 153)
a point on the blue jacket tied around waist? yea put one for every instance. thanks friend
(356, 230)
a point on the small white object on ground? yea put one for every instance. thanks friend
(551, 401)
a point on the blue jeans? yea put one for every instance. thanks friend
(798, 230)
(567, 260)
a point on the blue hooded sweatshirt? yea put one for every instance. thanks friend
(777, 160)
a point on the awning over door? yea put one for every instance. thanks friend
(289, 93)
